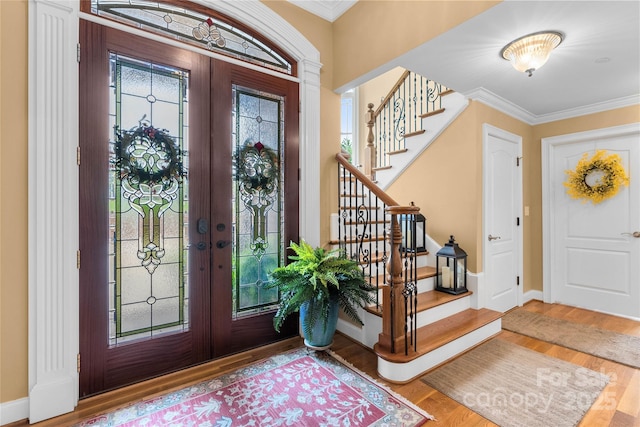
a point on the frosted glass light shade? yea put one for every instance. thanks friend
(530, 52)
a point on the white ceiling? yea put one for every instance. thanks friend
(595, 68)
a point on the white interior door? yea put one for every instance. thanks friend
(592, 259)
(502, 218)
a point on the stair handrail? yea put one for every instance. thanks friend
(399, 267)
(379, 192)
(393, 89)
(399, 115)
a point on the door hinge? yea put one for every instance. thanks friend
(78, 259)
(518, 221)
(518, 161)
(78, 52)
(518, 280)
(78, 155)
(78, 362)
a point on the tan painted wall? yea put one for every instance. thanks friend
(618, 117)
(372, 32)
(13, 203)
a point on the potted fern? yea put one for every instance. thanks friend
(317, 283)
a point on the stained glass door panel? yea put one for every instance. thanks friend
(148, 206)
(258, 144)
(144, 289)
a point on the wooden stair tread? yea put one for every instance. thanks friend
(442, 332)
(403, 150)
(432, 113)
(416, 133)
(381, 168)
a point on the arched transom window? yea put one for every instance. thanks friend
(195, 25)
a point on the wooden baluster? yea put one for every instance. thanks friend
(370, 149)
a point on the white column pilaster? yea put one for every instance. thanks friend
(310, 152)
(53, 208)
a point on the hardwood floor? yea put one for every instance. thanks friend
(623, 390)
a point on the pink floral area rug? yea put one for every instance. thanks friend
(297, 388)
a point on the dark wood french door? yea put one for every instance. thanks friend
(177, 235)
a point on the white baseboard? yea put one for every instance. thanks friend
(531, 295)
(14, 410)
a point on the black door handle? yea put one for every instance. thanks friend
(222, 243)
(201, 246)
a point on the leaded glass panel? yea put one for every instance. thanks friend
(192, 27)
(148, 203)
(258, 146)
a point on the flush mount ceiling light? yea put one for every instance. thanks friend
(530, 52)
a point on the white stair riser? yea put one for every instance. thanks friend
(404, 372)
(444, 310)
(373, 323)
(434, 314)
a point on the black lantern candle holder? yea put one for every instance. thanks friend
(451, 266)
(414, 231)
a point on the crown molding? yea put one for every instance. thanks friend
(494, 101)
(329, 10)
(612, 104)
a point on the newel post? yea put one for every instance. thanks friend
(370, 149)
(394, 316)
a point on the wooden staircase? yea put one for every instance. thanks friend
(446, 324)
(437, 326)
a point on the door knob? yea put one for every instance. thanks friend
(493, 237)
(222, 243)
(635, 234)
(201, 246)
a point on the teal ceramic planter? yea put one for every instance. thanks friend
(321, 336)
